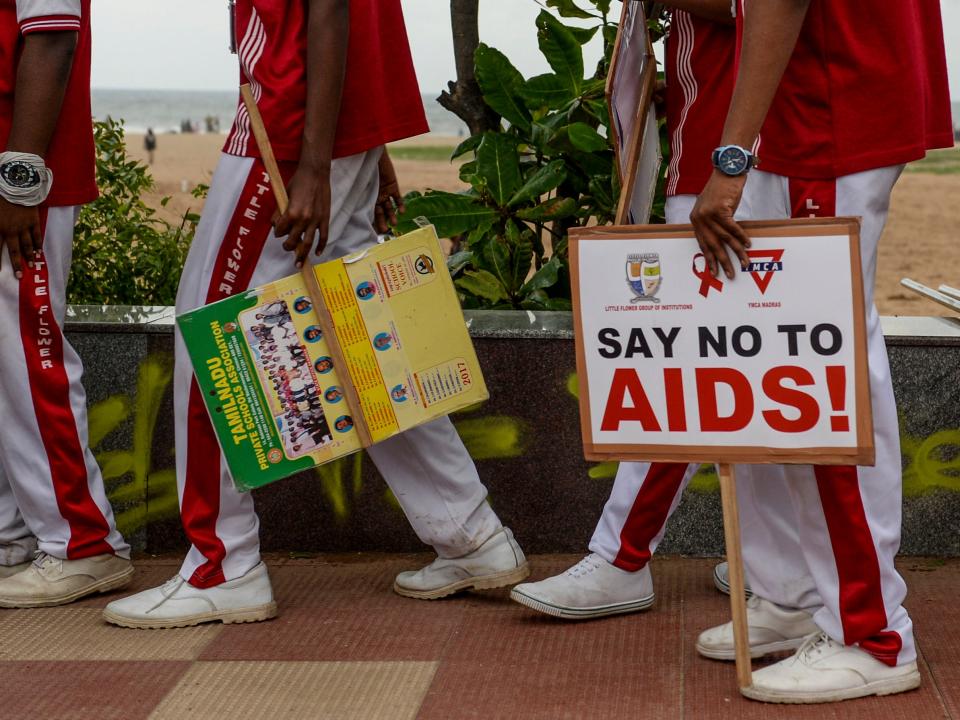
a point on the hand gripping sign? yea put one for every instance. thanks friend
(677, 365)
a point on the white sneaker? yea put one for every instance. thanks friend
(177, 603)
(823, 670)
(721, 579)
(51, 581)
(591, 588)
(771, 629)
(498, 562)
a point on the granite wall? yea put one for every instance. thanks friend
(526, 442)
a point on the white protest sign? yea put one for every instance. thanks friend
(636, 135)
(676, 365)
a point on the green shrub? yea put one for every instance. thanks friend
(123, 254)
(549, 167)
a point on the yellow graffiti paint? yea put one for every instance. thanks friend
(496, 437)
(334, 487)
(931, 463)
(139, 493)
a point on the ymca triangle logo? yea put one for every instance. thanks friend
(763, 264)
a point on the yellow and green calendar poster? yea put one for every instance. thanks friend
(313, 367)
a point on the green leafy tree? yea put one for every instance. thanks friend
(547, 167)
(123, 254)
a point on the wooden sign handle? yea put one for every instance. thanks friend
(738, 598)
(266, 149)
(313, 287)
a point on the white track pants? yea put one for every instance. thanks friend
(819, 538)
(50, 484)
(428, 468)
(644, 495)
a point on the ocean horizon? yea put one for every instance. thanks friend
(166, 110)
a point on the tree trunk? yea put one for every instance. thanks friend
(464, 98)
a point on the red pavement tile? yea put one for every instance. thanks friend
(340, 582)
(400, 629)
(931, 600)
(85, 690)
(564, 689)
(946, 676)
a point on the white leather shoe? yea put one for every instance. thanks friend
(771, 629)
(498, 562)
(823, 670)
(721, 579)
(51, 581)
(591, 588)
(177, 603)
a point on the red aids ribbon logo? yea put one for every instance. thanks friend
(707, 281)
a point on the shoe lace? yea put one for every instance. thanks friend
(42, 560)
(590, 563)
(814, 646)
(170, 585)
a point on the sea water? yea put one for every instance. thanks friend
(168, 110)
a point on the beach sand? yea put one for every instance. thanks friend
(920, 241)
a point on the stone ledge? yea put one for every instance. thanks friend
(526, 441)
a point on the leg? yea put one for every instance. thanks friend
(52, 474)
(222, 577)
(219, 521)
(643, 498)
(644, 495)
(427, 467)
(17, 544)
(849, 517)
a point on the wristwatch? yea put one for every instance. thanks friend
(20, 175)
(733, 160)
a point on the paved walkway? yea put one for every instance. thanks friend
(346, 647)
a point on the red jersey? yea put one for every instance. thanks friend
(866, 88)
(381, 99)
(700, 74)
(71, 154)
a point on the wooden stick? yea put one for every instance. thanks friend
(951, 291)
(313, 287)
(266, 149)
(931, 294)
(738, 601)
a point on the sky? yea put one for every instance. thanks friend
(182, 44)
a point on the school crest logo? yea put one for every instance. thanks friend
(643, 277)
(763, 264)
(424, 265)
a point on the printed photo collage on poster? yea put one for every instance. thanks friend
(296, 372)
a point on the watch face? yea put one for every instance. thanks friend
(20, 174)
(732, 161)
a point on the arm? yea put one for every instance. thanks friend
(771, 29)
(389, 199)
(328, 30)
(42, 77)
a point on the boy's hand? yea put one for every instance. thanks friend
(20, 232)
(713, 222)
(308, 216)
(390, 199)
